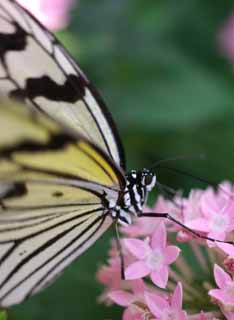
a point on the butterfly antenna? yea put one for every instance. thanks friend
(186, 157)
(185, 173)
(165, 189)
(170, 218)
(170, 194)
(117, 236)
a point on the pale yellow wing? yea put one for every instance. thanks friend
(54, 190)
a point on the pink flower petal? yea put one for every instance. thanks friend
(209, 204)
(225, 297)
(161, 206)
(176, 300)
(217, 235)
(216, 293)
(227, 248)
(136, 270)
(228, 315)
(127, 315)
(121, 297)
(183, 315)
(130, 315)
(160, 277)
(221, 277)
(199, 224)
(138, 286)
(137, 247)
(159, 237)
(155, 303)
(171, 254)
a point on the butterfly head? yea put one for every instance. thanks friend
(148, 179)
(139, 183)
(143, 179)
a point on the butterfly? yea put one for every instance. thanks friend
(62, 166)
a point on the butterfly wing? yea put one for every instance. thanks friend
(35, 67)
(54, 189)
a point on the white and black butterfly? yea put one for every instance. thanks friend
(62, 165)
(60, 188)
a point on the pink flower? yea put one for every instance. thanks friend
(226, 38)
(226, 191)
(154, 257)
(225, 294)
(130, 300)
(209, 212)
(166, 309)
(146, 226)
(228, 315)
(217, 217)
(192, 209)
(54, 14)
(110, 275)
(176, 210)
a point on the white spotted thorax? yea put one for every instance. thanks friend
(139, 184)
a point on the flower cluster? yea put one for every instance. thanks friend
(159, 275)
(53, 14)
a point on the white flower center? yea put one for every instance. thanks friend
(154, 259)
(219, 223)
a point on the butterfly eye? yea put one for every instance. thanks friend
(149, 180)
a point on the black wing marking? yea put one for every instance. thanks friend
(36, 67)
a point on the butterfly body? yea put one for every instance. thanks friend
(134, 196)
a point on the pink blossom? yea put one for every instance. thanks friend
(217, 218)
(146, 226)
(176, 210)
(227, 248)
(191, 211)
(226, 38)
(225, 294)
(182, 210)
(226, 191)
(54, 14)
(130, 300)
(153, 258)
(110, 275)
(228, 315)
(210, 213)
(166, 309)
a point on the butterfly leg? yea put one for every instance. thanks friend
(170, 218)
(117, 236)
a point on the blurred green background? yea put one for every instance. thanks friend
(171, 93)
